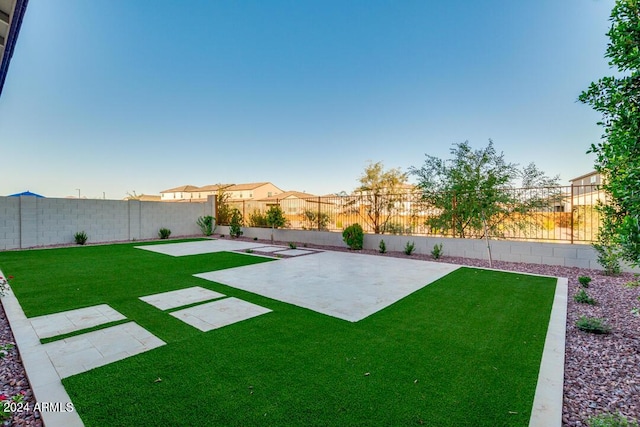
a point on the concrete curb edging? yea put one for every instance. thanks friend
(44, 380)
(547, 403)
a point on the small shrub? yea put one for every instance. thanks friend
(249, 251)
(633, 283)
(207, 224)
(292, 245)
(608, 258)
(583, 298)
(584, 281)
(396, 228)
(382, 246)
(80, 237)
(317, 220)
(611, 420)
(164, 233)
(235, 224)
(255, 238)
(258, 219)
(595, 325)
(353, 236)
(409, 248)
(436, 252)
(5, 348)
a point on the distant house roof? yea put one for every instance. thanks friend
(11, 14)
(149, 198)
(287, 195)
(183, 189)
(214, 187)
(249, 186)
(584, 176)
(26, 193)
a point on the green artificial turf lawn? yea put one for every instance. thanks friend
(463, 351)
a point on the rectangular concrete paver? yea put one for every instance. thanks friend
(199, 247)
(87, 351)
(295, 252)
(220, 313)
(180, 297)
(270, 248)
(51, 325)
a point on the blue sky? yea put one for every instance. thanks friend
(120, 96)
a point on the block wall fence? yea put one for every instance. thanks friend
(28, 222)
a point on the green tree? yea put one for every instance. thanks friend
(473, 193)
(235, 223)
(381, 193)
(223, 208)
(275, 217)
(618, 153)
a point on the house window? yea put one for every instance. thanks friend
(593, 179)
(250, 195)
(269, 194)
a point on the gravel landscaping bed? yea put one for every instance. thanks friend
(602, 372)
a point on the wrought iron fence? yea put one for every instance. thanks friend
(558, 214)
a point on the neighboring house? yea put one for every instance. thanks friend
(178, 194)
(209, 190)
(236, 192)
(252, 191)
(145, 198)
(585, 189)
(292, 202)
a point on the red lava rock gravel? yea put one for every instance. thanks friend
(602, 372)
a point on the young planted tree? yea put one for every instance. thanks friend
(381, 193)
(618, 153)
(275, 218)
(473, 192)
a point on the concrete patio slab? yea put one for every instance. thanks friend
(220, 313)
(343, 285)
(181, 297)
(199, 247)
(87, 351)
(51, 325)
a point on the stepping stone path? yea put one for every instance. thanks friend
(81, 353)
(219, 313)
(52, 325)
(181, 297)
(212, 315)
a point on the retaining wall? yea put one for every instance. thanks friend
(562, 254)
(27, 222)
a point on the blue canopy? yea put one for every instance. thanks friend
(25, 193)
